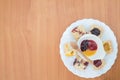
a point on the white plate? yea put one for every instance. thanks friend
(109, 58)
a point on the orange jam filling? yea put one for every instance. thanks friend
(89, 52)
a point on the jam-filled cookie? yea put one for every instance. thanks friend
(96, 30)
(107, 46)
(77, 32)
(69, 51)
(80, 63)
(98, 64)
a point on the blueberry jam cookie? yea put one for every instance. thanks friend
(96, 30)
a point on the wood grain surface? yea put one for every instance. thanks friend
(30, 32)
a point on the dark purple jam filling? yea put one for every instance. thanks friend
(95, 31)
(97, 63)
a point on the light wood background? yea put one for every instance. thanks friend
(30, 32)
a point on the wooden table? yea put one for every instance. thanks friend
(30, 32)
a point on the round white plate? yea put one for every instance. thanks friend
(90, 72)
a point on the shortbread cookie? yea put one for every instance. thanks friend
(80, 63)
(96, 30)
(98, 64)
(107, 46)
(69, 51)
(77, 32)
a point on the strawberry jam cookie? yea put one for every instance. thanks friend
(80, 63)
(77, 32)
(98, 64)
